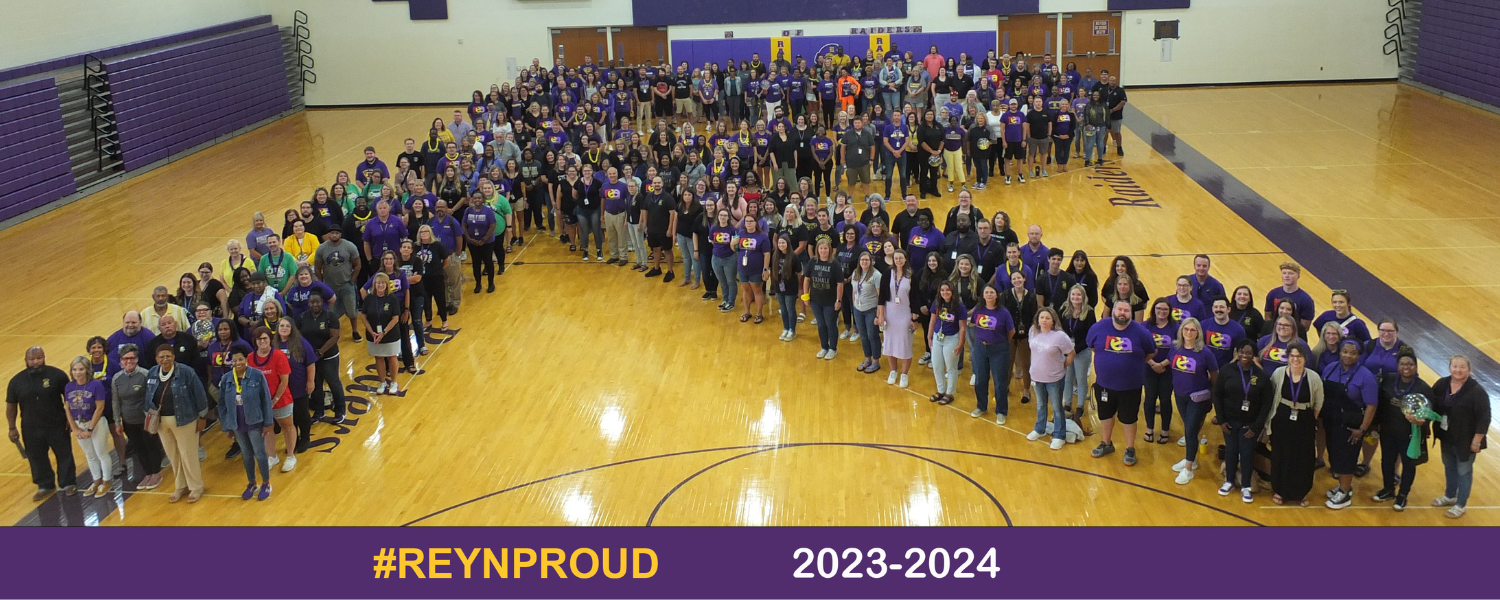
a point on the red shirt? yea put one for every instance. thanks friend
(274, 367)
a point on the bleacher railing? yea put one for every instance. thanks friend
(101, 110)
(302, 35)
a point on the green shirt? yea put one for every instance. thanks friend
(502, 211)
(278, 270)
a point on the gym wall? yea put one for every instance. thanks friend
(29, 31)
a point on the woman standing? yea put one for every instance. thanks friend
(321, 330)
(1194, 371)
(303, 359)
(924, 293)
(250, 423)
(1083, 273)
(434, 257)
(480, 231)
(1396, 431)
(1243, 397)
(847, 254)
(1076, 318)
(754, 268)
(722, 235)
(991, 329)
(822, 168)
(868, 310)
(1350, 325)
(278, 371)
(1292, 425)
(85, 399)
(178, 397)
(1052, 356)
(1123, 289)
(1465, 408)
(415, 270)
(400, 289)
(690, 213)
(379, 317)
(1273, 347)
(1242, 310)
(897, 322)
(1158, 397)
(946, 338)
(785, 281)
(823, 287)
(1022, 305)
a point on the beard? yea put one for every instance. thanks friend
(1122, 321)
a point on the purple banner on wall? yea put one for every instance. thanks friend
(1147, 4)
(656, 13)
(979, 8)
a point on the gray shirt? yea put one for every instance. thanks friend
(129, 396)
(337, 262)
(866, 291)
(505, 151)
(857, 143)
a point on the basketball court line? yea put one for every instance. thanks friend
(1434, 341)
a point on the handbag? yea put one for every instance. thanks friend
(1200, 396)
(153, 421)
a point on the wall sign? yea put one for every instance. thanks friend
(880, 30)
(1101, 27)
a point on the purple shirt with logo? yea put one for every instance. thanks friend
(1120, 355)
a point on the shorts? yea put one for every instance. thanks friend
(1343, 457)
(570, 217)
(684, 106)
(348, 300)
(663, 108)
(1038, 149)
(860, 174)
(658, 241)
(1015, 151)
(283, 412)
(1114, 125)
(755, 279)
(1124, 405)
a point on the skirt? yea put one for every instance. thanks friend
(384, 350)
(1293, 452)
(898, 338)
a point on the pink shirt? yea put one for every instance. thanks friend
(1049, 352)
(933, 62)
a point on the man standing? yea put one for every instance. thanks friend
(1052, 283)
(682, 95)
(382, 233)
(460, 126)
(36, 395)
(131, 333)
(276, 265)
(1034, 253)
(1222, 334)
(184, 346)
(161, 305)
(856, 149)
(1120, 347)
(1205, 287)
(1114, 97)
(1290, 291)
(335, 263)
(616, 201)
(658, 221)
(933, 62)
(448, 232)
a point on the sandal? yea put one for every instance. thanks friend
(1276, 499)
(744, 317)
(1361, 470)
(759, 319)
(572, 247)
(947, 399)
(935, 398)
(1163, 438)
(1150, 437)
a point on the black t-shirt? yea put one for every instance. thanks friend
(1114, 95)
(432, 256)
(784, 151)
(40, 398)
(184, 349)
(687, 222)
(942, 86)
(572, 195)
(814, 235)
(824, 275)
(379, 310)
(211, 296)
(659, 209)
(1041, 123)
(979, 141)
(413, 160)
(416, 267)
(684, 86)
(318, 329)
(930, 136)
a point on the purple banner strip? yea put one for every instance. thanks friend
(722, 562)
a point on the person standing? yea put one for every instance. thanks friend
(1194, 371)
(1465, 408)
(1350, 403)
(1396, 431)
(85, 398)
(1077, 317)
(249, 422)
(1052, 356)
(36, 396)
(336, 263)
(1292, 425)
(1114, 98)
(128, 394)
(857, 149)
(1120, 347)
(823, 287)
(868, 310)
(945, 336)
(1242, 400)
(321, 330)
(180, 401)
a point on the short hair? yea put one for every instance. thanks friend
(130, 349)
(1202, 256)
(96, 340)
(369, 148)
(1291, 266)
(1055, 253)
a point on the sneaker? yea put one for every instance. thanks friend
(1000, 419)
(1130, 457)
(1444, 501)
(289, 464)
(1184, 476)
(831, 354)
(976, 413)
(249, 492)
(950, 188)
(1455, 512)
(1023, 178)
(854, 336)
(599, 256)
(395, 388)
(1007, 180)
(670, 276)
(1400, 504)
(1383, 495)
(612, 260)
(822, 353)
(1182, 466)
(1045, 174)
(902, 383)
(1226, 488)
(783, 335)
(383, 387)
(891, 379)
(1247, 495)
(653, 273)
(791, 335)
(1057, 443)
(926, 358)
(585, 257)
(202, 454)
(1182, 442)
(1331, 493)
(265, 492)
(972, 379)
(1033, 436)
(233, 452)
(275, 458)
(1340, 499)
(843, 335)
(1102, 449)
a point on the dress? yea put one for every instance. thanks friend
(897, 342)
(1293, 444)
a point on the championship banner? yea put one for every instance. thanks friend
(781, 49)
(749, 562)
(880, 43)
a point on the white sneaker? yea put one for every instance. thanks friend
(394, 387)
(1033, 436)
(975, 413)
(902, 384)
(274, 459)
(822, 354)
(891, 379)
(383, 387)
(1057, 443)
(999, 419)
(1247, 494)
(854, 336)
(1444, 501)
(831, 354)
(1182, 441)
(791, 335)
(1185, 476)
(1183, 464)
(289, 464)
(1225, 489)
(843, 335)
(783, 335)
(972, 379)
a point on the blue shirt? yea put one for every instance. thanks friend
(1207, 291)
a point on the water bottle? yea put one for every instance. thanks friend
(1202, 446)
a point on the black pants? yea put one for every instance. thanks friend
(1392, 450)
(418, 326)
(145, 447)
(830, 110)
(57, 439)
(437, 291)
(927, 176)
(482, 258)
(1239, 456)
(537, 202)
(302, 418)
(1158, 398)
(710, 279)
(327, 373)
(822, 179)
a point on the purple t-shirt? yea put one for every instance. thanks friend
(1034, 258)
(752, 249)
(1272, 352)
(953, 138)
(1351, 326)
(722, 238)
(82, 400)
(1220, 339)
(616, 197)
(448, 231)
(947, 321)
(297, 381)
(991, 325)
(384, 236)
(1207, 291)
(1190, 369)
(477, 222)
(822, 147)
(1120, 355)
(297, 295)
(1182, 310)
(896, 134)
(919, 243)
(1014, 123)
(1163, 338)
(1359, 385)
(1299, 298)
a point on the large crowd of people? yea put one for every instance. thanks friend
(775, 196)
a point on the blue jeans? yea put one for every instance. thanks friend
(895, 166)
(689, 262)
(1095, 141)
(253, 452)
(1193, 414)
(828, 325)
(588, 223)
(1050, 395)
(1077, 379)
(725, 271)
(1239, 456)
(788, 304)
(869, 334)
(892, 101)
(1458, 475)
(989, 369)
(945, 357)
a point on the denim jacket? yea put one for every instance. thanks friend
(256, 397)
(188, 397)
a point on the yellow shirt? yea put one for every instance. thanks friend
(226, 271)
(303, 249)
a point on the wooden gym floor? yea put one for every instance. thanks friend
(583, 394)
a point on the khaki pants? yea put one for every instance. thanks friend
(453, 280)
(617, 233)
(642, 118)
(180, 438)
(955, 160)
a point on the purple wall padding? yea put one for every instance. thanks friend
(141, 46)
(31, 131)
(697, 52)
(1147, 4)
(655, 13)
(173, 99)
(1459, 48)
(979, 8)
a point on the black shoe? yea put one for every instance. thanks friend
(491, 288)
(356, 336)
(564, 238)
(301, 447)
(234, 450)
(653, 273)
(707, 295)
(599, 256)
(670, 276)
(1400, 504)
(453, 310)
(478, 288)
(612, 261)
(1120, 150)
(1025, 400)
(338, 419)
(1383, 495)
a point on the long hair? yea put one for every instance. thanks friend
(1083, 309)
(1197, 344)
(1088, 267)
(1322, 346)
(1036, 321)
(928, 279)
(973, 277)
(293, 342)
(1113, 295)
(777, 257)
(948, 305)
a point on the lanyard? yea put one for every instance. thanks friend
(1010, 271)
(1296, 388)
(1245, 383)
(1409, 386)
(238, 389)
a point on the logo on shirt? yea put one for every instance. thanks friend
(1122, 345)
(721, 237)
(946, 316)
(986, 322)
(1275, 354)
(1217, 340)
(1179, 314)
(1185, 363)
(920, 240)
(1161, 340)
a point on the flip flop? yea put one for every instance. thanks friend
(744, 318)
(1163, 439)
(759, 320)
(1150, 437)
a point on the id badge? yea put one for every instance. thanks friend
(1103, 396)
(1293, 417)
(940, 337)
(953, 256)
(979, 269)
(1245, 406)
(239, 400)
(745, 260)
